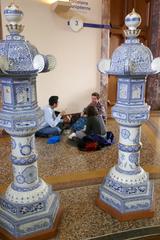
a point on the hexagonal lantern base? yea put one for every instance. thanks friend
(30, 221)
(128, 206)
(41, 235)
(124, 216)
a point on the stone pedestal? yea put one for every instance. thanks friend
(127, 187)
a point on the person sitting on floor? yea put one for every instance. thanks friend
(95, 101)
(94, 136)
(94, 124)
(52, 125)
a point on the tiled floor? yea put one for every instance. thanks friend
(82, 219)
(61, 158)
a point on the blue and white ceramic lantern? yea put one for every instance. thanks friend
(29, 205)
(127, 192)
(133, 20)
(13, 14)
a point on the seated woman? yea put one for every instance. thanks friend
(94, 124)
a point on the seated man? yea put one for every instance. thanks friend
(95, 101)
(52, 125)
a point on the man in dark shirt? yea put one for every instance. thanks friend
(95, 101)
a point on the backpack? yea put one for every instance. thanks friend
(88, 144)
(95, 142)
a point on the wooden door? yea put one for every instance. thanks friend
(118, 10)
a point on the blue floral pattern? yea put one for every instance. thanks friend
(125, 133)
(122, 157)
(30, 174)
(130, 148)
(136, 140)
(133, 158)
(20, 179)
(25, 149)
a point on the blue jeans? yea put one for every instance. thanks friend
(48, 132)
(79, 124)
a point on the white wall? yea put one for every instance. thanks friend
(75, 76)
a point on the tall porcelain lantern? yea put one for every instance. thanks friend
(28, 206)
(127, 192)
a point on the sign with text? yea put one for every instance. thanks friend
(80, 6)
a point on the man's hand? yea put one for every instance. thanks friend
(62, 113)
(67, 118)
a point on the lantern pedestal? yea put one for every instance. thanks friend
(29, 209)
(39, 216)
(41, 235)
(127, 192)
(124, 216)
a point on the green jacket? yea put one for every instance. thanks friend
(95, 125)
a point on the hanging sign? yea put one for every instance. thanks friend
(77, 24)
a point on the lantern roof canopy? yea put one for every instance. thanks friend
(18, 52)
(132, 57)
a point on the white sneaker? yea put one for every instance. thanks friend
(72, 135)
